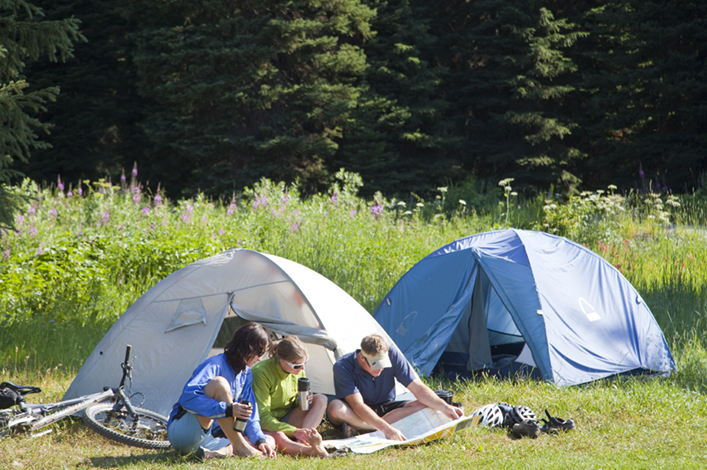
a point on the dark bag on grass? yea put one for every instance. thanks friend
(8, 398)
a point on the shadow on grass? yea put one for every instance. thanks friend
(162, 459)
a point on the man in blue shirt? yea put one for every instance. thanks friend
(364, 382)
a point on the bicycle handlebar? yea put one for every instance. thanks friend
(128, 350)
(127, 367)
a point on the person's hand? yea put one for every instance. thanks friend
(394, 435)
(242, 411)
(303, 435)
(267, 451)
(310, 397)
(453, 412)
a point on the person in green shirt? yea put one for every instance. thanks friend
(275, 386)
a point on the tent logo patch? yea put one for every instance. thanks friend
(588, 310)
(402, 329)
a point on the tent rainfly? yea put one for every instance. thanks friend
(188, 315)
(515, 300)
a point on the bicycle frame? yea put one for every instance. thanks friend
(29, 420)
(34, 416)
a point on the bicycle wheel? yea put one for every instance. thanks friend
(148, 431)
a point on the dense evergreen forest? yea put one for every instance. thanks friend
(212, 95)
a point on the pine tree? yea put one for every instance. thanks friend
(647, 111)
(94, 121)
(248, 89)
(397, 140)
(25, 36)
(508, 88)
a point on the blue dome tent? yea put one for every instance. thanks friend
(514, 299)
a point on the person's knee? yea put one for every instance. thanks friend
(271, 441)
(219, 389)
(319, 399)
(336, 410)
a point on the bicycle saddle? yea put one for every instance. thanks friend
(20, 389)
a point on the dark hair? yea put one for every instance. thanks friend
(249, 340)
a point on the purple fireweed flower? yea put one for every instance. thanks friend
(190, 209)
(286, 199)
(53, 212)
(262, 201)
(6, 254)
(335, 198)
(70, 194)
(79, 190)
(158, 200)
(376, 210)
(204, 220)
(294, 227)
(145, 210)
(231, 209)
(122, 177)
(134, 172)
(40, 251)
(31, 211)
(353, 213)
(32, 230)
(20, 218)
(221, 232)
(105, 218)
(59, 184)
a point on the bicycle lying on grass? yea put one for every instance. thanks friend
(110, 413)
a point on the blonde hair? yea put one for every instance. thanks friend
(289, 348)
(374, 345)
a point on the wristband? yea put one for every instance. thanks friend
(260, 441)
(229, 410)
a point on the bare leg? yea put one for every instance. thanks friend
(340, 412)
(311, 418)
(404, 411)
(290, 447)
(219, 389)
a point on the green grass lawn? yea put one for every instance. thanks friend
(79, 262)
(631, 424)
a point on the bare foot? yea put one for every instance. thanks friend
(315, 441)
(247, 451)
(217, 454)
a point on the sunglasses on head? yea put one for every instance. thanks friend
(297, 366)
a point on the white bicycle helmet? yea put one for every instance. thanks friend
(491, 415)
(521, 413)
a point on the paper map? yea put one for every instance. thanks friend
(423, 426)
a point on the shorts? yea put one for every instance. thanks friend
(383, 409)
(186, 435)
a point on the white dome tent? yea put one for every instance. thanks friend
(183, 319)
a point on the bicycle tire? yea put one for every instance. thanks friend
(149, 432)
